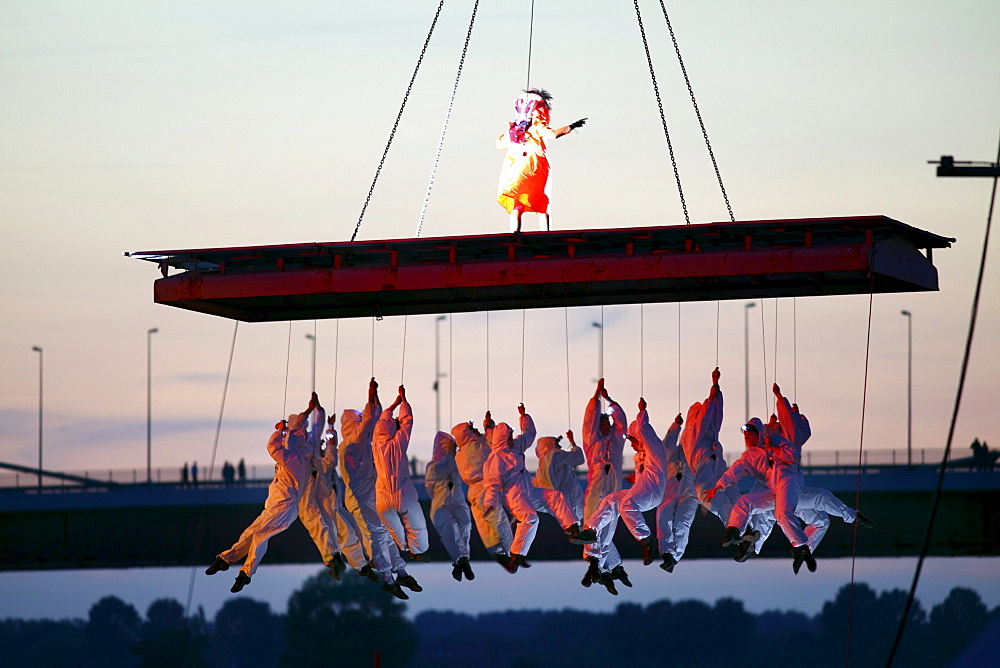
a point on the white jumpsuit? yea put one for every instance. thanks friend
(680, 504)
(604, 453)
(505, 483)
(645, 494)
(450, 513)
(291, 470)
(473, 451)
(321, 527)
(395, 495)
(703, 452)
(774, 462)
(557, 480)
(357, 467)
(332, 504)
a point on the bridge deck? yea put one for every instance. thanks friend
(728, 260)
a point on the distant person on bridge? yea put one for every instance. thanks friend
(450, 513)
(524, 177)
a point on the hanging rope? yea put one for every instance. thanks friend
(447, 117)
(451, 394)
(288, 355)
(951, 428)
(211, 467)
(531, 38)
(763, 348)
(678, 357)
(861, 449)
(373, 347)
(566, 322)
(522, 356)
(663, 118)
(718, 308)
(774, 377)
(399, 116)
(795, 349)
(402, 361)
(697, 112)
(336, 362)
(487, 360)
(642, 351)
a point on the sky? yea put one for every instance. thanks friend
(167, 125)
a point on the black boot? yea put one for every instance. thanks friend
(219, 564)
(466, 567)
(618, 573)
(648, 550)
(668, 563)
(242, 580)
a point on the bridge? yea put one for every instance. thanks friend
(124, 524)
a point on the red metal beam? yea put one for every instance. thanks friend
(546, 269)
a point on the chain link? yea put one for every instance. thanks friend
(447, 117)
(395, 125)
(704, 132)
(663, 118)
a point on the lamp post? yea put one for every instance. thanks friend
(746, 357)
(909, 387)
(437, 372)
(40, 355)
(149, 403)
(313, 339)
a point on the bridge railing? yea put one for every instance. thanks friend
(813, 462)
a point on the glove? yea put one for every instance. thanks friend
(578, 124)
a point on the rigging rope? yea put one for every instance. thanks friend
(678, 357)
(402, 361)
(288, 355)
(774, 377)
(487, 360)
(763, 348)
(522, 356)
(857, 489)
(531, 37)
(566, 322)
(795, 350)
(451, 375)
(211, 467)
(336, 363)
(951, 428)
(373, 346)
(642, 350)
(447, 118)
(395, 125)
(663, 118)
(697, 112)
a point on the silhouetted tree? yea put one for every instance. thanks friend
(345, 622)
(956, 621)
(168, 639)
(874, 620)
(41, 643)
(247, 634)
(113, 628)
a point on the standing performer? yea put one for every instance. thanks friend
(449, 510)
(676, 513)
(525, 172)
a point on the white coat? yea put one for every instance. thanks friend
(680, 504)
(450, 513)
(395, 495)
(505, 482)
(491, 523)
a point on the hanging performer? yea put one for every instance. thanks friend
(335, 513)
(556, 480)
(505, 485)
(680, 503)
(473, 451)
(816, 504)
(525, 172)
(288, 448)
(770, 458)
(449, 510)
(357, 467)
(650, 465)
(603, 446)
(703, 451)
(395, 495)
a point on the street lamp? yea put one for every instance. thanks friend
(149, 403)
(39, 351)
(313, 339)
(746, 357)
(909, 387)
(437, 372)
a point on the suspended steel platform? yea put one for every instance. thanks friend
(713, 261)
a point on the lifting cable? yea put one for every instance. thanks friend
(569, 419)
(951, 428)
(395, 125)
(336, 363)
(373, 346)
(402, 361)
(487, 360)
(795, 350)
(451, 374)
(288, 356)
(763, 349)
(447, 117)
(697, 112)
(857, 489)
(211, 467)
(774, 377)
(663, 118)
(678, 357)
(642, 350)
(522, 356)
(531, 38)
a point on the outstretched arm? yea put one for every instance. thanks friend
(566, 129)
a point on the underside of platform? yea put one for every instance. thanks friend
(714, 261)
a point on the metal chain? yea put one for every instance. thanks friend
(399, 115)
(447, 117)
(663, 118)
(697, 112)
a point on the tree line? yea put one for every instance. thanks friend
(346, 623)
